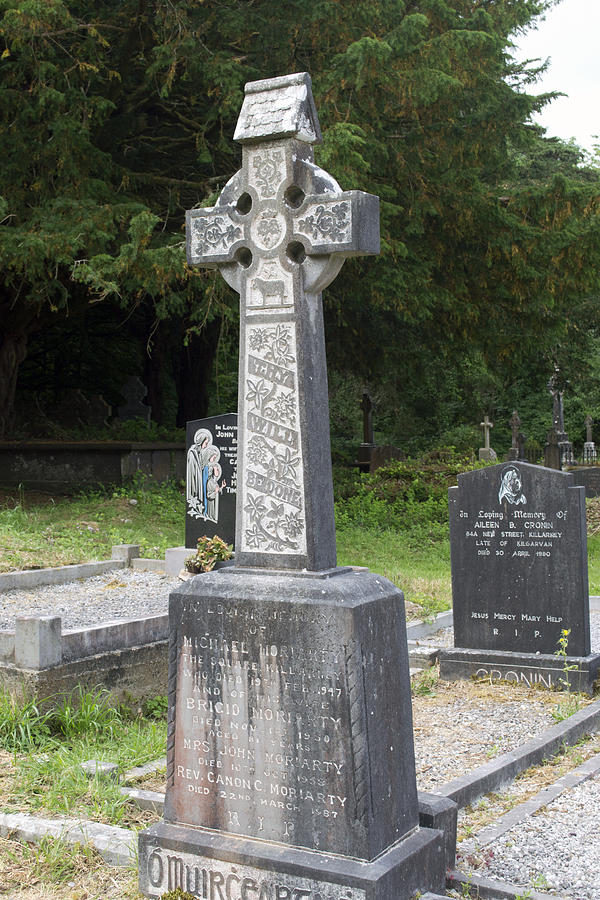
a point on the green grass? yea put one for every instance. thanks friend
(421, 570)
(594, 563)
(49, 741)
(40, 530)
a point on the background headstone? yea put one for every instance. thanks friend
(515, 425)
(367, 446)
(210, 500)
(589, 448)
(518, 548)
(565, 447)
(133, 391)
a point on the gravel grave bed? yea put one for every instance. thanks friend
(464, 724)
(557, 850)
(120, 594)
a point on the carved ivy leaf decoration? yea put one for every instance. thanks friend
(276, 510)
(255, 507)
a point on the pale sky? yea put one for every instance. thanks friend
(570, 36)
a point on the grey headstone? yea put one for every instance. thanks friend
(211, 478)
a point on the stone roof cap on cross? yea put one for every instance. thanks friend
(279, 233)
(278, 108)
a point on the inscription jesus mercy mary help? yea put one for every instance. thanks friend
(279, 234)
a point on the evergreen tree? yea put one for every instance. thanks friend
(115, 118)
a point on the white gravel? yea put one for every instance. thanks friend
(120, 594)
(556, 851)
(455, 730)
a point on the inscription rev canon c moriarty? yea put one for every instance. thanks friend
(519, 560)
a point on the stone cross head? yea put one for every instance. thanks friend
(279, 233)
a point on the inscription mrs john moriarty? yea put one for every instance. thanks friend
(519, 560)
(269, 731)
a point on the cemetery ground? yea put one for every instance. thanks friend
(40, 754)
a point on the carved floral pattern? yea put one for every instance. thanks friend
(275, 344)
(269, 231)
(274, 519)
(214, 232)
(280, 465)
(329, 222)
(264, 399)
(271, 529)
(268, 171)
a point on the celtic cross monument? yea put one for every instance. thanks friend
(290, 759)
(279, 234)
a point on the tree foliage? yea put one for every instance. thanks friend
(115, 118)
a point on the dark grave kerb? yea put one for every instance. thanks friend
(518, 549)
(290, 759)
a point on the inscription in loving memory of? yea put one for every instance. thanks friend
(510, 535)
(262, 739)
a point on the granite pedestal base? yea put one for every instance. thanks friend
(212, 866)
(290, 759)
(541, 669)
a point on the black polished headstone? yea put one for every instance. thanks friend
(519, 560)
(210, 495)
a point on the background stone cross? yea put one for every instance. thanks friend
(515, 424)
(279, 233)
(486, 425)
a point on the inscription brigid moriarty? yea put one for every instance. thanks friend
(262, 723)
(211, 879)
(519, 566)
